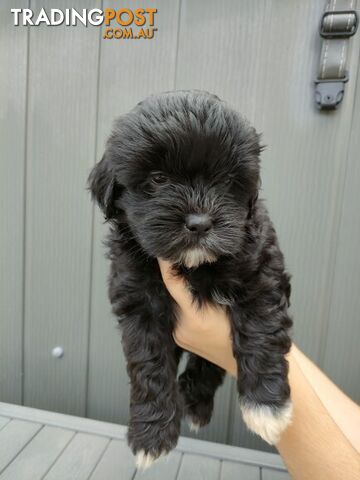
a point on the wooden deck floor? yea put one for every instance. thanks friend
(35, 444)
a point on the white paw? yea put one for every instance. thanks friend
(266, 421)
(193, 426)
(144, 460)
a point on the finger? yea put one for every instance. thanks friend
(175, 285)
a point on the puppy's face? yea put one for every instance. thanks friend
(191, 214)
(182, 171)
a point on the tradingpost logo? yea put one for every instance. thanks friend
(124, 23)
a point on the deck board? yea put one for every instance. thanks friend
(41, 445)
(116, 463)
(268, 474)
(202, 467)
(238, 471)
(13, 437)
(38, 456)
(79, 458)
(3, 422)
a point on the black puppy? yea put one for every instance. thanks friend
(179, 181)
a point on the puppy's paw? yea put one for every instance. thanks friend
(145, 460)
(197, 409)
(193, 424)
(198, 414)
(268, 422)
(151, 440)
(146, 456)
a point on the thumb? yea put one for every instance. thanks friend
(175, 285)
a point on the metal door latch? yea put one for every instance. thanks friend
(329, 93)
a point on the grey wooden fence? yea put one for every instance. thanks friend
(61, 87)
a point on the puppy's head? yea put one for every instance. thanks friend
(182, 171)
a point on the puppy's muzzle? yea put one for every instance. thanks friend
(198, 223)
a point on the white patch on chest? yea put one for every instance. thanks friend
(195, 257)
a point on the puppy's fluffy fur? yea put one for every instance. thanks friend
(179, 180)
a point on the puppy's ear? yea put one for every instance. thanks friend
(252, 201)
(103, 187)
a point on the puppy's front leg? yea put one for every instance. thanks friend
(260, 342)
(198, 384)
(155, 407)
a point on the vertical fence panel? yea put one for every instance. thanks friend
(61, 141)
(129, 71)
(13, 61)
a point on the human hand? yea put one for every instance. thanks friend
(204, 331)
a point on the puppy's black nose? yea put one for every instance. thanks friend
(198, 222)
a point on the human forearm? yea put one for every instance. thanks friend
(344, 411)
(314, 446)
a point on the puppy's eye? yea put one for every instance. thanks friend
(229, 179)
(158, 178)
